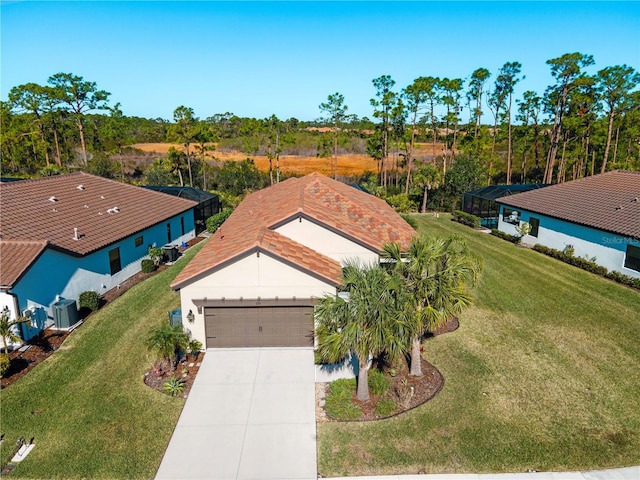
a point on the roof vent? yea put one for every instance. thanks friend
(53, 199)
(75, 234)
(80, 187)
(102, 197)
(619, 207)
(113, 210)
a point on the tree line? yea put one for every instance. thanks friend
(581, 125)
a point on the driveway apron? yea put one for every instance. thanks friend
(250, 415)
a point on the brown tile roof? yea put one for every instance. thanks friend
(357, 215)
(610, 202)
(104, 211)
(16, 256)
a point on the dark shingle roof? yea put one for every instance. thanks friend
(104, 211)
(355, 214)
(609, 202)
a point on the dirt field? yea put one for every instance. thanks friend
(347, 164)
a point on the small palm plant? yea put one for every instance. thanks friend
(166, 341)
(8, 334)
(174, 386)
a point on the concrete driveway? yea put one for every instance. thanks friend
(250, 415)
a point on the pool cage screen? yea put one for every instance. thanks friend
(482, 202)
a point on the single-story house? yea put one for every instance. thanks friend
(598, 216)
(208, 203)
(256, 280)
(66, 234)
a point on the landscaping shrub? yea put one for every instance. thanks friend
(147, 265)
(338, 403)
(215, 221)
(568, 257)
(156, 254)
(385, 407)
(467, 219)
(174, 386)
(90, 300)
(4, 364)
(588, 265)
(378, 383)
(401, 203)
(505, 236)
(410, 220)
(624, 279)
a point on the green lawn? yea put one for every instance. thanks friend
(543, 373)
(86, 405)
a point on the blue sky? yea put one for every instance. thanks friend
(261, 58)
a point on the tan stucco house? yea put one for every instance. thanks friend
(256, 280)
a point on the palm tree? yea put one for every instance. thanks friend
(435, 275)
(426, 177)
(165, 340)
(364, 323)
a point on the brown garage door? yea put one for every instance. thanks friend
(259, 326)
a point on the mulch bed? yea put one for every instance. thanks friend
(40, 348)
(406, 391)
(187, 370)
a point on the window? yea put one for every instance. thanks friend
(114, 261)
(511, 216)
(535, 224)
(182, 224)
(168, 233)
(139, 241)
(632, 258)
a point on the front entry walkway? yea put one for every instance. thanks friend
(250, 415)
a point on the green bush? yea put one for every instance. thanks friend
(147, 265)
(467, 219)
(215, 221)
(410, 220)
(505, 236)
(90, 300)
(195, 346)
(338, 403)
(378, 383)
(174, 386)
(4, 364)
(156, 254)
(401, 203)
(567, 256)
(385, 407)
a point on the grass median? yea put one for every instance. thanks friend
(543, 374)
(86, 405)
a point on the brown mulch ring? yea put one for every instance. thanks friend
(406, 391)
(187, 370)
(39, 348)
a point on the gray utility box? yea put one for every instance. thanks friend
(170, 253)
(65, 313)
(175, 317)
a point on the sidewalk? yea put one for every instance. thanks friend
(627, 473)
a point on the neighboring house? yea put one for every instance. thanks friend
(256, 280)
(208, 203)
(482, 201)
(63, 235)
(598, 216)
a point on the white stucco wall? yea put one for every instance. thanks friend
(250, 277)
(326, 242)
